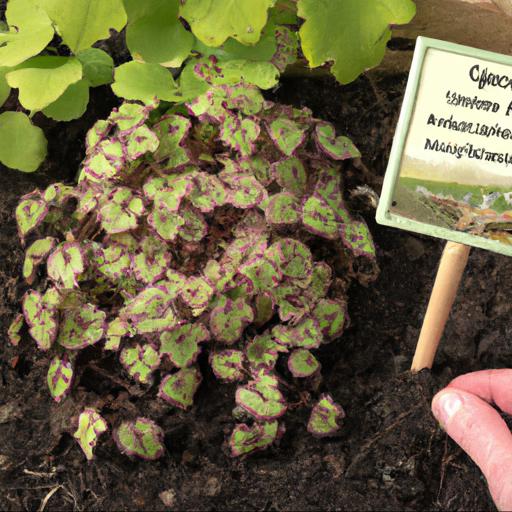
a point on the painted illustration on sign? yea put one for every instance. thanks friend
(455, 167)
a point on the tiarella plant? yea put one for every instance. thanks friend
(54, 51)
(220, 229)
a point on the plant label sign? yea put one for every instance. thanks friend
(450, 170)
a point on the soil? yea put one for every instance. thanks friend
(390, 454)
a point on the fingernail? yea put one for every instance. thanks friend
(445, 406)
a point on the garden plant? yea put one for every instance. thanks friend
(208, 229)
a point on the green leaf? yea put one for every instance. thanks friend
(228, 365)
(213, 21)
(72, 104)
(42, 80)
(35, 254)
(179, 388)
(83, 22)
(302, 363)
(59, 378)
(5, 90)
(65, 264)
(338, 148)
(142, 437)
(258, 436)
(144, 82)
(22, 145)
(181, 344)
(98, 66)
(13, 332)
(140, 361)
(157, 35)
(90, 426)
(30, 31)
(82, 327)
(350, 33)
(325, 417)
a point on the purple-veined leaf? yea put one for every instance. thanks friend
(244, 191)
(179, 388)
(96, 134)
(151, 260)
(30, 213)
(282, 209)
(305, 334)
(81, 326)
(121, 211)
(287, 48)
(325, 417)
(331, 315)
(172, 132)
(328, 187)
(197, 292)
(90, 426)
(169, 194)
(13, 333)
(181, 344)
(302, 363)
(140, 361)
(290, 174)
(208, 192)
(60, 377)
(141, 437)
(259, 167)
(128, 117)
(227, 365)
(116, 330)
(261, 397)
(114, 262)
(141, 141)
(263, 308)
(293, 258)
(319, 218)
(35, 255)
(151, 310)
(66, 264)
(246, 439)
(194, 227)
(291, 300)
(287, 134)
(167, 224)
(228, 320)
(356, 236)
(240, 134)
(337, 148)
(321, 279)
(262, 273)
(41, 316)
(262, 352)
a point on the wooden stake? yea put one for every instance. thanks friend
(451, 267)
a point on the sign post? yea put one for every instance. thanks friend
(450, 169)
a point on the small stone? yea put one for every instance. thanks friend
(213, 486)
(168, 497)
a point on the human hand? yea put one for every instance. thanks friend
(463, 410)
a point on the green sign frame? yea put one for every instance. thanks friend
(385, 215)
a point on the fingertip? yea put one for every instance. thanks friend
(446, 404)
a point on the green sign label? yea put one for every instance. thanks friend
(450, 170)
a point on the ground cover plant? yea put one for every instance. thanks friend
(220, 229)
(52, 52)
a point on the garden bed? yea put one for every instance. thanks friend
(390, 453)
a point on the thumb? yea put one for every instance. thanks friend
(479, 430)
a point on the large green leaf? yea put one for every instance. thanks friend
(98, 66)
(81, 23)
(72, 104)
(351, 33)
(31, 30)
(143, 81)
(5, 90)
(42, 80)
(155, 34)
(213, 21)
(22, 145)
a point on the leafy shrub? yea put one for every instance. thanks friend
(209, 230)
(179, 49)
